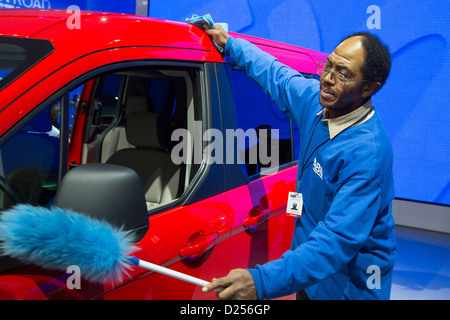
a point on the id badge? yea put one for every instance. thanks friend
(294, 204)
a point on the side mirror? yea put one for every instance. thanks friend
(107, 192)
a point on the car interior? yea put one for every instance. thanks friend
(134, 114)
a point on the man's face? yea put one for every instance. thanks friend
(339, 97)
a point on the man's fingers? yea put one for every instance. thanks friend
(218, 27)
(237, 284)
(216, 284)
(225, 293)
(209, 31)
(221, 287)
(218, 34)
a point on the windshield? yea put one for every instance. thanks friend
(17, 55)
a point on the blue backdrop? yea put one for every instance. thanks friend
(414, 102)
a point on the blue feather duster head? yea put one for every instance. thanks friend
(56, 238)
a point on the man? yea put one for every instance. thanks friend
(344, 243)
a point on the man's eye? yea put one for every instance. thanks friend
(343, 74)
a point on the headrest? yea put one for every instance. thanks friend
(139, 103)
(148, 130)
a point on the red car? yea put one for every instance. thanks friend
(77, 102)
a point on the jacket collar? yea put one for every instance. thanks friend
(339, 124)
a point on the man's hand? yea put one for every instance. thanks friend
(218, 34)
(237, 285)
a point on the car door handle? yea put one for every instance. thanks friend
(254, 220)
(196, 249)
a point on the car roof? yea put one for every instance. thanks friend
(100, 30)
(106, 28)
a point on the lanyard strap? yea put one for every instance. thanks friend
(303, 165)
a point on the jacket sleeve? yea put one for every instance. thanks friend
(285, 86)
(329, 248)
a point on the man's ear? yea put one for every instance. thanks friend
(370, 88)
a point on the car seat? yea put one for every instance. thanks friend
(150, 156)
(115, 139)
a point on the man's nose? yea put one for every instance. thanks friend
(328, 77)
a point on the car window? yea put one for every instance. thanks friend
(18, 55)
(267, 130)
(12, 56)
(165, 100)
(30, 159)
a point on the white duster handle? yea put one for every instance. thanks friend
(168, 272)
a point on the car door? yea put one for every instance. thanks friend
(189, 233)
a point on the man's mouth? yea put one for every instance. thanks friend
(327, 94)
